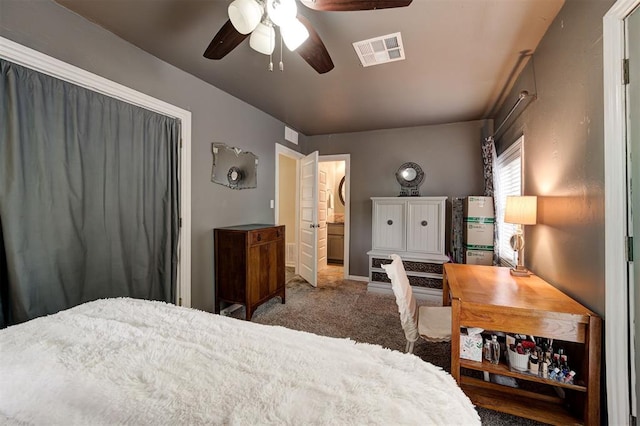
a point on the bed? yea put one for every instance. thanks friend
(128, 361)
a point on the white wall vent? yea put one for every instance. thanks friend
(290, 135)
(380, 50)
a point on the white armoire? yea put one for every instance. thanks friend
(414, 229)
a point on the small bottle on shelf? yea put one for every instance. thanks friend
(495, 350)
(544, 366)
(533, 364)
(487, 350)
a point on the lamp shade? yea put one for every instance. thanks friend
(294, 33)
(245, 15)
(281, 11)
(263, 39)
(521, 210)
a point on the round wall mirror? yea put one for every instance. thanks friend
(234, 176)
(409, 176)
(341, 190)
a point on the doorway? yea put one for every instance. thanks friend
(332, 208)
(621, 101)
(632, 27)
(27, 57)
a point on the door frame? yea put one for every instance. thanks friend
(32, 59)
(615, 200)
(347, 199)
(297, 156)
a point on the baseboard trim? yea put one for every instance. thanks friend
(358, 278)
(229, 309)
(428, 294)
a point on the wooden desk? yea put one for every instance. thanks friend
(491, 298)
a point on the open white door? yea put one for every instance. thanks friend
(308, 246)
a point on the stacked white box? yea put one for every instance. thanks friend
(479, 219)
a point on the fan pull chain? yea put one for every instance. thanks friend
(281, 63)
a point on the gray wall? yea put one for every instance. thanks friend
(216, 116)
(449, 154)
(564, 152)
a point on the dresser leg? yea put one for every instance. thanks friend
(282, 296)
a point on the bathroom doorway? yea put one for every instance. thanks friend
(335, 171)
(333, 211)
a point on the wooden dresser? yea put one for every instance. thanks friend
(249, 262)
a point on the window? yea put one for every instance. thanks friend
(509, 182)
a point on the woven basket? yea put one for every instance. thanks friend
(517, 361)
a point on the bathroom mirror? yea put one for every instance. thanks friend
(341, 190)
(233, 167)
(410, 177)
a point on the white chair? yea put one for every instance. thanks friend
(432, 323)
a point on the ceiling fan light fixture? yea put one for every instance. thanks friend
(263, 39)
(245, 15)
(280, 12)
(294, 33)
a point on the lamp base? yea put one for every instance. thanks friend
(520, 271)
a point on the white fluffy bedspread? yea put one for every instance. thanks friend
(137, 362)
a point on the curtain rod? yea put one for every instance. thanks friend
(521, 97)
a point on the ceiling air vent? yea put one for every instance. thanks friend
(380, 50)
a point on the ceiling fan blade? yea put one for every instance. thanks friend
(313, 50)
(349, 5)
(224, 42)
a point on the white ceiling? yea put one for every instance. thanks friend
(459, 58)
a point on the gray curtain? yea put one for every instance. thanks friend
(457, 224)
(88, 197)
(489, 160)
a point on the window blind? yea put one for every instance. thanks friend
(509, 182)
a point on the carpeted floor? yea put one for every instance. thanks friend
(344, 308)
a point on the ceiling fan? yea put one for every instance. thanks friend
(259, 17)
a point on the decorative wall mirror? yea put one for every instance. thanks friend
(410, 177)
(341, 190)
(233, 167)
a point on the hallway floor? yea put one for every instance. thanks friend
(328, 276)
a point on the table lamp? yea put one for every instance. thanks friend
(521, 210)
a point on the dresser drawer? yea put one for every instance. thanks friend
(410, 266)
(335, 228)
(414, 280)
(260, 236)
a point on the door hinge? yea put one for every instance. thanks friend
(629, 249)
(180, 301)
(180, 223)
(180, 142)
(625, 71)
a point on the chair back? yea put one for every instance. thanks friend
(407, 305)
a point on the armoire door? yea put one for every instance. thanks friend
(424, 224)
(390, 224)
